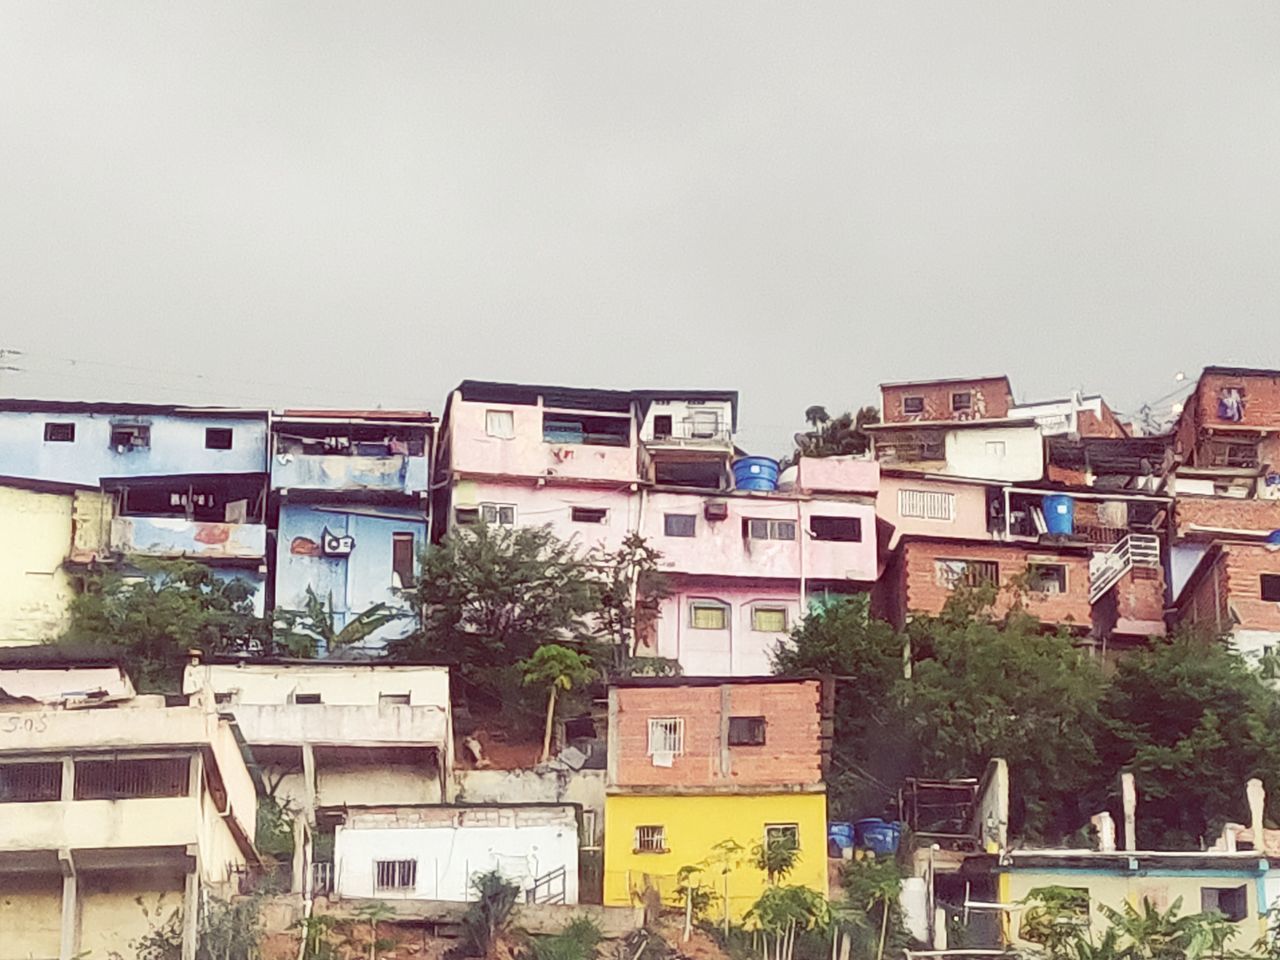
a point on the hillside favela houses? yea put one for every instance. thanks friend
(380, 785)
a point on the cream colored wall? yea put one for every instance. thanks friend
(30, 917)
(242, 793)
(969, 456)
(353, 686)
(35, 529)
(54, 684)
(137, 822)
(355, 784)
(111, 916)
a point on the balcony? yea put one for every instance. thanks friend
(337, 725)
(97, 824)
(692, 433)
(389, 473)
(197, 539)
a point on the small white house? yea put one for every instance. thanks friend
(429, 852)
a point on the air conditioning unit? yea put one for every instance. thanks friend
(716, 510)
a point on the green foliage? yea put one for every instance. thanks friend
(488, 916)
(1193, 723)
(317, 936)
(776, 857)
(783, 915)
(577, 941)
(227, 930)
(492, 595)
(153, 619)
(828, 437)
(696, 888)
(555, 668)
(870, 914)
(312, 630)
(631, 592)
(374, 913)
(274, 836)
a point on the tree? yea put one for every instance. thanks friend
(488, 916)
(313, 629)
(631, 592)
(555, 668)
(828, 437)
(490, 596)
(152, 619)
(1192, 722)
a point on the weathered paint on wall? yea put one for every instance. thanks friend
(989, 397)
(355, 582)
(177, 446)
(398, 473)
(738, 650)
(693, 826)
(452, 844)
(117, 908)
(49, 684)
(584, 788)
(173, 537)
(30, 916)
(351, 684)
(35, 591)
(552, 505)
(968, 507)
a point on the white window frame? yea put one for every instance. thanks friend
(655, 841)
(493, 429)
(716, 604)
(772, 529)
(666, 735)
(491, 513)
(771, 608)
(934, 505)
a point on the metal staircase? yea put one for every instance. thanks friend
(1107, 567)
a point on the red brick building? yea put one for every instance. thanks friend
(1235, 589)
(977, 398)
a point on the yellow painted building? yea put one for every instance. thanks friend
(691, 829)
(36, 532)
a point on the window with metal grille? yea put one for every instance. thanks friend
(395, 874)
(60, 433)
(588, 514)
(123, 779)
(746, 731)
(769, 619)
(844, 529)
(30, 782)
(1269, 586)
(666, 736)
(970, 573)
(927, 505)
(708, 615)
(499, 514)
(1046, 578)
(769, 529)
(651, 839)
(130, 436)
(680, 525)
(782, 834)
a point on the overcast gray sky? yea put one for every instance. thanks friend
(364, 203)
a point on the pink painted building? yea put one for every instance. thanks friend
(597, 465)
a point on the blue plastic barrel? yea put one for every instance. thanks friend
(1059, 514)
(876, 835)
(840, 834)
(755, 473)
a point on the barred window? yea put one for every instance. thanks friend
(395, 874)
(927, 505)
(666, 736)
(651, 839)
(970, 573)
(30, 782)
(122, 779)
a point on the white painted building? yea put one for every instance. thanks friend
(427, 852)
(50, 674)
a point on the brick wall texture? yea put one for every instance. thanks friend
(1234, 585)
(790, 755)
(451, 817)
(1225, 513)
(992, 394)
(1261, 411)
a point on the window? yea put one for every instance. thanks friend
(393, 699)
(589, 835)
(927, 505)
(651, 839)
(588, 514)
(401, 559)
(499, 514)
(662, 426)
(769, 619)
(704, 424)
(596, 431)
(782, 834)
(962, 402)
(466, 516)
(130, 436)
(769, 529)
(500, 424)
(844, 529)
(971, 573)
(395, 874)
(1231, 902)
(995, 448)
(1269, 585)
(746, 731)
(217, 438)
(708, 615)
(1229, 453)
(1046, 578)
(912, 405)
(121, 779)
(224, 697)
(30, 782)
(666, 736)
(680, 524)
(60, 433)
(307, 698)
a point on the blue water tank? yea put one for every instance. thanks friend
(878, 836)
(1059, 514)
(840, 834)
(755, 473)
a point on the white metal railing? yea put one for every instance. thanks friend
(322, 878)
(695, 430)
(1107, 567)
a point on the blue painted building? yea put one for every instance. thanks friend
(170, 481)
(351, 493)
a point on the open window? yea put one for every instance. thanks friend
(961, 401)
(30, 782)
(1231, 902)
(912, 406)
(746, 731)
(1047, 578)
(402, 559)
(782, 835)
(1269, 586)
(841, 529)
(126, 437)
(118, 779)
(586, 429)
(588, 514)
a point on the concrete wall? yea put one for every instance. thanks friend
(118, 908)
(348, 684)
(693, 826)
(552, 505)
(453, 844)
(585, 788)
(355, 582)
(177, 446)
(968, 516)
(386, 783)
(196, 539)
(53, 684)
(35, 529)
(857, 475)
(394, 473)
(682, 414)
(30, 916)
(737, 651)
(790, 756)
(996, 453)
